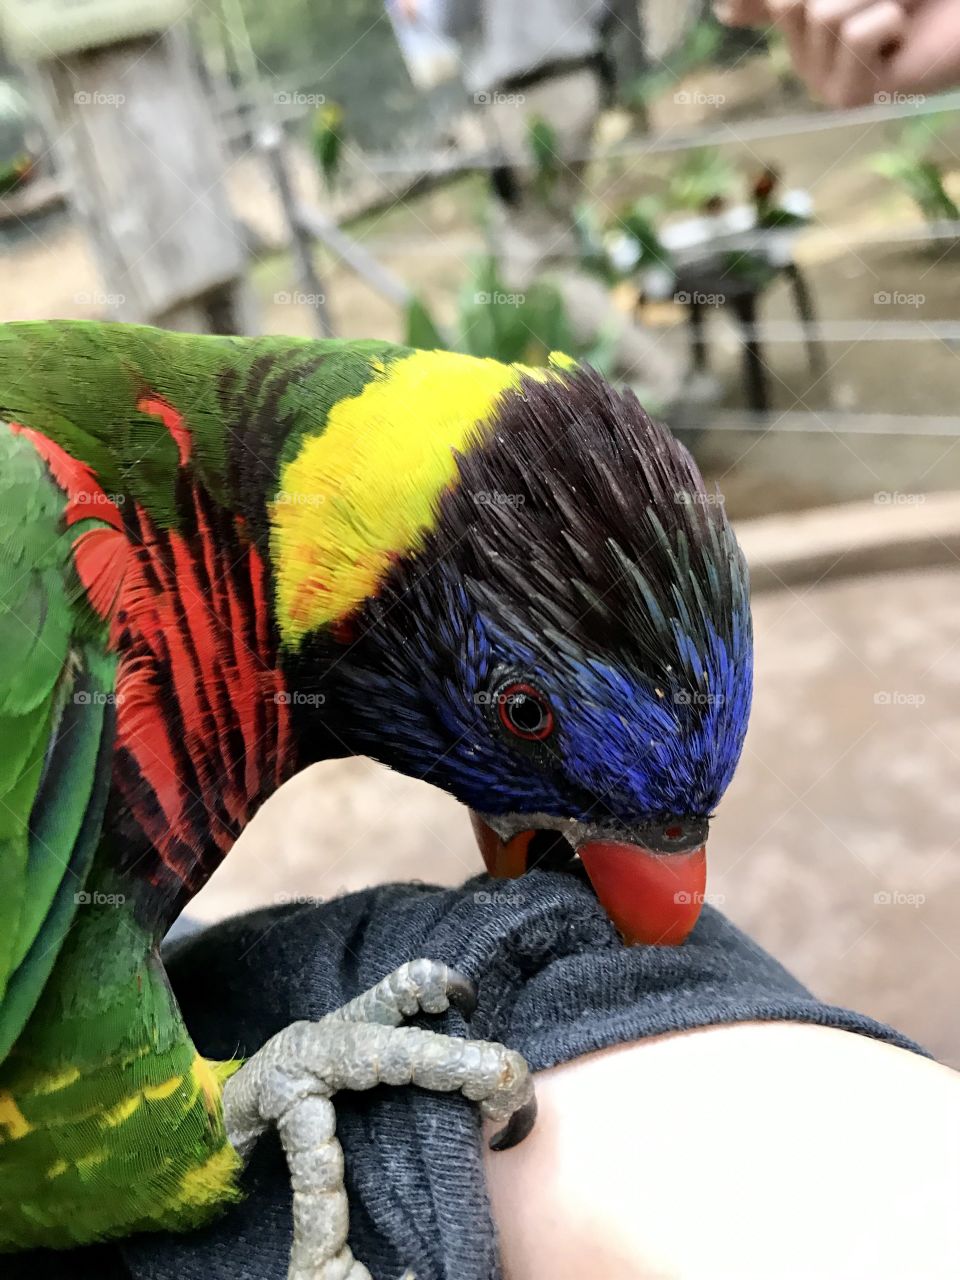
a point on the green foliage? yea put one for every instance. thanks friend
(639, 223)
(702, 177)
(544, 147)
(592, 253)
(421, 330)
(506, 324)
(772, 218)
(910, 165)
(629, 244)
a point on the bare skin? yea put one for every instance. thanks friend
(771, 1151)
(850, 52)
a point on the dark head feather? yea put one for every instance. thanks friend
(579, 549)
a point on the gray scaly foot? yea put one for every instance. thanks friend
(291, 1080)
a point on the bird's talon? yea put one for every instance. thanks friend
(517, 1127)
(292, 1079)
(462, 994)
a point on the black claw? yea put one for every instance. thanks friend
(516, 1128)
(462, 994)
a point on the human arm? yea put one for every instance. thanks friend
(749, 1150)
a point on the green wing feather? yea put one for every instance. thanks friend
(55, 686)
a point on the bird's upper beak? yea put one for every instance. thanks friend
(652, 887)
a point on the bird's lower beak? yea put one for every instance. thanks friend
(652, 898)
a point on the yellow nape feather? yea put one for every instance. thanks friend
(365, 490)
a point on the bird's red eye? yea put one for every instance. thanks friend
(524, 711)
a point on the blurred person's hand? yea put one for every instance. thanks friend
(850, 52)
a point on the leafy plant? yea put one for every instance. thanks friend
(704, 178)
(592, 251)
(639, 222)
(544, 147)
(629, 245)
(910, 164)
(508, 325)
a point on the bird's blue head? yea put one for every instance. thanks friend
(570, 651)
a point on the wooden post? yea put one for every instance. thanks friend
(271, 142)
(146, 174)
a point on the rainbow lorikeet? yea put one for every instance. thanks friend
(222, 559)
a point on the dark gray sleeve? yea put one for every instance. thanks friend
(553, 981)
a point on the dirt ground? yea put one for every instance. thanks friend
(836, 847)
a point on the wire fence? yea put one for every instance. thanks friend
(727, 133)
(814, 421)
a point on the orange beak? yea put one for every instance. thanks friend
(652, 898)
(505, 859)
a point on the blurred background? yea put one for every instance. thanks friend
(647, 190)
